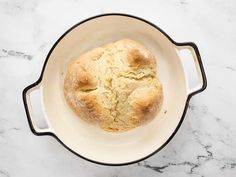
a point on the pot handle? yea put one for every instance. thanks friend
(202, 81)
(29, 113)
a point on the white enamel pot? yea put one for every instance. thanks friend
(88, 141)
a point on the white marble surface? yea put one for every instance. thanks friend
(206, 142)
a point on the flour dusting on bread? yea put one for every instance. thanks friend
(115, 86)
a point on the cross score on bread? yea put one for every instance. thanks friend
(114, 86)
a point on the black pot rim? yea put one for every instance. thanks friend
(193, 45)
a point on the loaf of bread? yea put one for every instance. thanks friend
(114, 86)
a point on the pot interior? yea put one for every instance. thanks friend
(92, 142)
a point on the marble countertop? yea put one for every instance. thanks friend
(205, 145)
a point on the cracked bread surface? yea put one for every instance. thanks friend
(114, 86)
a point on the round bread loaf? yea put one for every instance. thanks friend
(114, 86)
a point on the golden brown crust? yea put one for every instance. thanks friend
(136, 59)
(145, 104)
(115, 86)
(78, 78)
(90, 106)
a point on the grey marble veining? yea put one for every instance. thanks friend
(204, 146)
